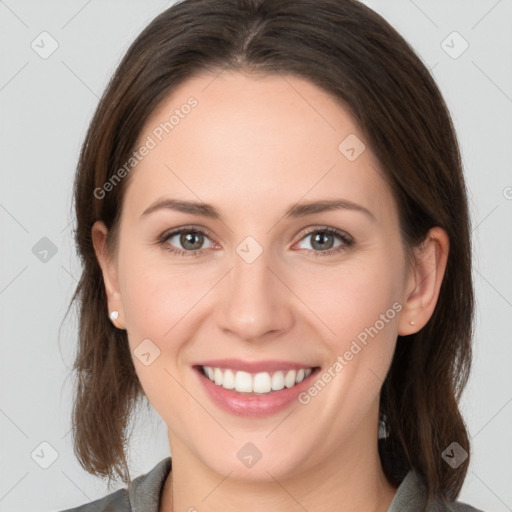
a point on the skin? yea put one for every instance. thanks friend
(248, 139)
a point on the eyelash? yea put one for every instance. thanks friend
(347, 241)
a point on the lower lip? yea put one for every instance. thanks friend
(250, 404)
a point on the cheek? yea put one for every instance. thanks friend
(345, 300)
(156, 303)
(157, 295)
(366, 326)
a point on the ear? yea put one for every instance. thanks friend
(424, 281)
(99, 239)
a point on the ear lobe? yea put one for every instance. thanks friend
(425, 281)
(99, 239)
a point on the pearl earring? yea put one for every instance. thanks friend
(412, 322)
(113, 316)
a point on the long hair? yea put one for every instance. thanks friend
(351, 52)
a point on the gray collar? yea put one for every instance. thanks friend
(410, 495)
(144, 492)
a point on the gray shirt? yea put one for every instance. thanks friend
(145, 490)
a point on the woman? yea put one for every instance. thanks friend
(273, 224)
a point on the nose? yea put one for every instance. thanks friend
(256, 303)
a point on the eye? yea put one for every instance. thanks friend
(322, 242)
(191, 239)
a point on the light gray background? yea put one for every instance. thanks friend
(46, 105)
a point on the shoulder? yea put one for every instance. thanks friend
(143, 493)
(461, 507)
(411, 497)
(115, 502)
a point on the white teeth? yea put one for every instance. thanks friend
(243, 382)
(289, 380)
(277, 381)
(262, 382)
(229, 379)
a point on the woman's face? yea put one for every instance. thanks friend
(260, 285)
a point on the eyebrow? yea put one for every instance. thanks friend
(295, 211)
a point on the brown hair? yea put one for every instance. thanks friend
(351, 52)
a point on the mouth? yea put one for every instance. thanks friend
(257, 383)
(255, 389)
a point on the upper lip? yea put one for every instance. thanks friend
(254, 366)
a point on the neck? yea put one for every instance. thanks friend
(350, 480)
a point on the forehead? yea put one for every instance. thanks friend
(246, 140)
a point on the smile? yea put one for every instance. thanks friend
(261, 382)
